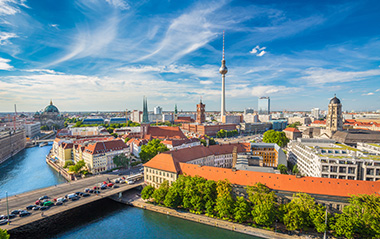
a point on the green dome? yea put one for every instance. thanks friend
(51, 108)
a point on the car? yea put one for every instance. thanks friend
(115, 186)
(130, 182)
(36, 208)
(30, 207)
(43, 208)
(116, 181)
(110, 185)
(104, 186)
(90, 191)
(3, 217)
(3, 221)
(96, 187)
(48, 203)
(43, 197)
(122, 181)
(11, 215)
(74, 198)
(72, 195)
(86, 190)
(16, 211)
(78, 193)
(24, 213)
(63, 199)
(85, 195)
(119, 174)
(59, 203)
(37, 202)
(96, 192)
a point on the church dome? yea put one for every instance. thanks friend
(51, 108)
(334, 100)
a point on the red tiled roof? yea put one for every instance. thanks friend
(294, 130)
(282, 182)
(165, 132)
(319, 122)
(105, 146)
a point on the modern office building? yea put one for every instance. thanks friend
(264, 105)
(328, 159)
(157, 110)
(315, 112)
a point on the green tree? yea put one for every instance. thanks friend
(68, 163)
(294, 125)
(295, 169)
(126, 140)
(44, 127)
(121, 160)
(77, 167)
(173, 198)
(151, 149)
(298, 214)
(276, 137)
(283, 169)
(242, 211)
(4, 234)
(210, 196)
(160, 193)
(317, 215)
(264, 204)
(224, 202)
(78, 124)
(147, 192)
(360, 218)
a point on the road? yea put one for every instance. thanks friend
(22, 200)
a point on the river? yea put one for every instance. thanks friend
(28, 171)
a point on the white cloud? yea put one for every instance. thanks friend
(370, 93)
(202, 71)
(266, 90)
(4, 64)
(320, 76)
(54, 25)
(206, 82)
(258, 51)
(377, 90)
(44, 71)
(119, 4)
(5, 36)
(10, 7)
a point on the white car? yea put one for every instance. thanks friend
(130, 182)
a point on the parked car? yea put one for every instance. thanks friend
(30, 207)
(104, 186)
(36, 208)
(96, 187)
(122, 181)
(24, 213)
(110, 185)
(3, 221)
(59, 203)
(130, 182)
(43, 208)
(43, 197)
(16, 211)
(115, 186)
(85, 195)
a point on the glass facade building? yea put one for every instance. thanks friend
(264, 105)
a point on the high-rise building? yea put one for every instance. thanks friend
(315, 113)
(334, 120)
(264, 105)
(145, 118)
(201, 113)
(249, 111)
(157, 110)
(223, 70)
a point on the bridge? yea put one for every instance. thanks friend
(28, 198)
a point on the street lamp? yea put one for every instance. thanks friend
(6, 195)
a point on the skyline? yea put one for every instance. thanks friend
(105, 55)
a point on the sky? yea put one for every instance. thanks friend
(105, 55)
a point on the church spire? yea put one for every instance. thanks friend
(51, 102)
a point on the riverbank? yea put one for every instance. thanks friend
(59, 170)
(133, 199)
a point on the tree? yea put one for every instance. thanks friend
(360, 218)
(224, 201)
(44, 127)
(294, 125)
(298, 214)
(151, 149)
(121, 160)
(173, 198)
(147, 192)
(283, 169)
(160, 193)
(295, 169)
(4, 234)
(242, 211)
(276, 137)
(77, 167)
(264, 206)
(68, 163)
(126, 140)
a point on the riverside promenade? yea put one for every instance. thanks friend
(133, 199)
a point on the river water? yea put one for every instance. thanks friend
(107, 219)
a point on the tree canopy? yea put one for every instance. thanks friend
(121, 160)
(276, 137)
(151, 149)
(4, 234)
(283, 169)
(77, 167)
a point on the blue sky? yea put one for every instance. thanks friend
(107, 54)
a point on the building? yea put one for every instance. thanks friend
(301, 120)
(264, 105)
(50, 117)
(265, 118)
(292, 133)
(99, 156)
(32, 129)
(11, 142)
(119, 120)
(207, 129)
(334, 120)
(249, 111)
(201, 118)
(82, 131)
(232, 119)
(254, 128)
(157, 110)
(369, 148)
(145, 116)
(92, 121)
(328, 159)
(223, 70)
(315, 113)
(279, 125)
(251, 118)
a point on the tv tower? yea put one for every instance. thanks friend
(223, 70)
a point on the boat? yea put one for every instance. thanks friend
(43, 144)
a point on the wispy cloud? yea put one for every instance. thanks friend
(369, 93)
(121, 4)
(11, 7)
(54, 25)
(266, 90)
(377, 90)
(258, 51)
(4, 64)
(44, 71)
(5, 36)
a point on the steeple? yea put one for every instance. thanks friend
(51, 102)
(145, 118)
(175, 109)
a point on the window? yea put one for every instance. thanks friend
(342, 169)
(333, 169)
